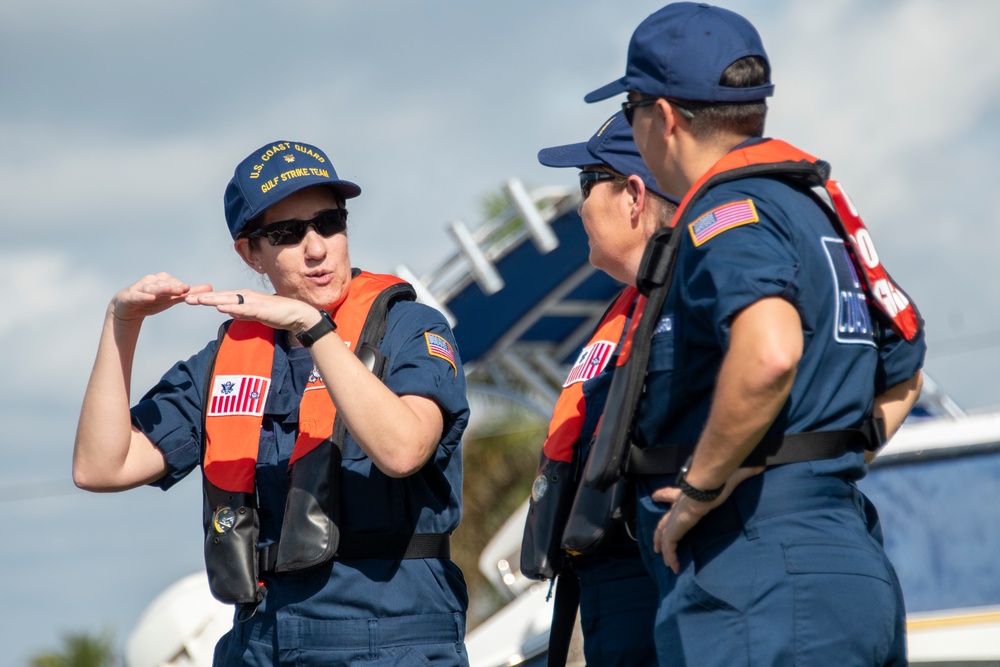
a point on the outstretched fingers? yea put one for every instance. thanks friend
(150, 295)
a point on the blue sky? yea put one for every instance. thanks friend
(121, 125)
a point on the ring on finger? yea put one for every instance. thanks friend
(239, 299)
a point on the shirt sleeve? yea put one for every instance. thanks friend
(424, 360)
(749, 257)
(898, 360)
(170, 415)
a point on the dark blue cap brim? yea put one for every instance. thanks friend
(345, 189)
(570, 155)
(616, 87)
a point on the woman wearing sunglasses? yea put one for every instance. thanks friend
(621, 208)
(326, 418)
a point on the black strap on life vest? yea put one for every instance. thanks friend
(564, 610)
(375, 546)
(607, 454)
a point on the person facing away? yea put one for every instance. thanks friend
(621, 207)
(326, 418)
(777, 326)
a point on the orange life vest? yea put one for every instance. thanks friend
(570, 409)
(555, 487)
(236, 395)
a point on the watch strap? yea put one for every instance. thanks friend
(318, 330)
(695, 493)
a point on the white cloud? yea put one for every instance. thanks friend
(879, 93)
(49, 321)
(64, 177)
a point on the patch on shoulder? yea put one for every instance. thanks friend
(438, 347)
(720, 219)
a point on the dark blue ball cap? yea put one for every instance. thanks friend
(612, 146)
(680, 52)
(274, 171)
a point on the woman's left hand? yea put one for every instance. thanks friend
(277, 312)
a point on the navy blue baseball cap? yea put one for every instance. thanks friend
(274, 171)
(680, 52)
(612, 146)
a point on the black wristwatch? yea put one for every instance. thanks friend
(692, 492)
(318, 330)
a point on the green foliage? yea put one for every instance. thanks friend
(493, 204)
(79, 650)
(500, 463)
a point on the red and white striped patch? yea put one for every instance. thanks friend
(238, 395)
(591, 362)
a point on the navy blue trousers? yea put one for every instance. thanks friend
(618, 603)
(402, 641)
(788, 571)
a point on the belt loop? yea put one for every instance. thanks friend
(859, 501)
(746, 503)
(373, 640)
(459, 632)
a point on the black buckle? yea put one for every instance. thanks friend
(654, 268)
(875, 433)
(247, 612)
(267, 558)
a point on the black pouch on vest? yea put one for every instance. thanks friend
(230, 522)
(542, 556)
(596, 515)
(310, 530)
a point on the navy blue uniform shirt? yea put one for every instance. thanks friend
(428, 501)
(791, 252)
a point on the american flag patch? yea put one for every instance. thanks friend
(720, 219)
(238, 395)
(591, 362)
(437, 346)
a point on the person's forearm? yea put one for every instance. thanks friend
(397, 433)
(894, 404)
(754, 381)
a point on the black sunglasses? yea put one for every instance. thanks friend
(288, 232)
(628, 108)
(588, 179)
